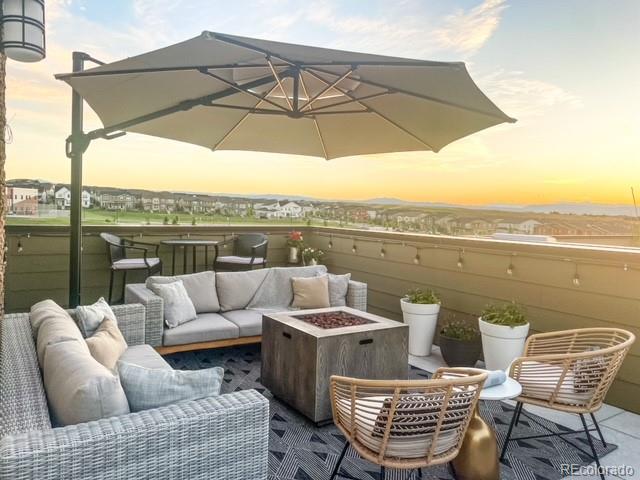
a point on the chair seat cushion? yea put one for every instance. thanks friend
(144, 356)
(249, 322)
(236, 260)
(135, 263)
(539, 380)
(207, 327)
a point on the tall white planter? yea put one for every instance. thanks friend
(293, 254)
(502, 344)
(422, 320)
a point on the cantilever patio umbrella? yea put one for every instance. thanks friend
(227, 92)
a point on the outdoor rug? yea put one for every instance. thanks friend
(298, 450)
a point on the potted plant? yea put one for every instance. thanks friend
(295, 242)
(504, 330)
(460, 344)
(312, 256)
(420, 311)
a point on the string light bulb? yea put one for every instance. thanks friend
(20, 246)
(625, 267)
(576, 278)
(383, 252)
(461, 259)
(511, 267)
(330, 244)
(354, 248)
(416, 259)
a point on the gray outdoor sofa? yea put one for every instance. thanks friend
(223, 437)
(239, 301)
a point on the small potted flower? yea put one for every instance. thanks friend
(312, 256)
(295, 242)
(504, 329)
(420, 311)
(460, 344)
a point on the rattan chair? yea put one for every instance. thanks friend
(117, 251)
(249, 251)
(405, 424)
(570, 371)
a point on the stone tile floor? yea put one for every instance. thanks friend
(619, 426)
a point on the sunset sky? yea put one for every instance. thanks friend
(569, 71)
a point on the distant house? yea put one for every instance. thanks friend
(63, 199)
(517, 225)
(22, 201)
(119, 200)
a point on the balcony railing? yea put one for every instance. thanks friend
(561, 286)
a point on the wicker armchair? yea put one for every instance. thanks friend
(406, 424)
(570, 371)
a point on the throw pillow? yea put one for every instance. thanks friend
(201, 288)
(312, 292)
(52, 325)
(107, 344)
(338, 287)
(151, 388)
(79, 389)
(90, 316)
(178, 307)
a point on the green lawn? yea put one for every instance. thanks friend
(105, 217)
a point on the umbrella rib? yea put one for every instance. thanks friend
(374, 111)
(239, 123)
(346, 102)
(315, 120)
(327, 88)
(502, 117)
(240, 89)
(277, 77)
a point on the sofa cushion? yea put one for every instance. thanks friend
(236, 289)
(89, 317)
(338, 288)
(201, 288)
(144, 356)
(152, 388)
(249, 322)
(107, 344)
(178, 307)
(310, 292)
(78, 387)
(52, 324)
(207, 327)
(276, 290)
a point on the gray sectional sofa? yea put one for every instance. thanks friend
(229, 305)
(225, 436)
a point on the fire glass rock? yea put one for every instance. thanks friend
(328, 320)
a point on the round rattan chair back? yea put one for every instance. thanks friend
(571, 370)
(407, 424)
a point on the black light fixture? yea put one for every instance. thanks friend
(23, 33)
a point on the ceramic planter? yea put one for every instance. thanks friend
(460, 353)
(293, 254)
(501, 344)
(422, 320)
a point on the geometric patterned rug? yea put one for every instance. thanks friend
(298, 450)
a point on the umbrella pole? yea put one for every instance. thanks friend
(76, 145)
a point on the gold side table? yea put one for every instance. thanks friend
(478, 457)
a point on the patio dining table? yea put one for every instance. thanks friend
(185, 244)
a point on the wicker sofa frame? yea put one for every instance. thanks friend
(216, 437)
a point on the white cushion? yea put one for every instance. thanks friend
(236, 289)
(240, 260)
(249, 322)
(52, 324)
(89, 317)
(134, 263)
(151, 388)
(338, 288)
(207, 327)
(201, 288)
(144, 356)
(78, 387)
(178, 307)
(540, 380)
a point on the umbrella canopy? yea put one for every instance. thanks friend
(227, 92)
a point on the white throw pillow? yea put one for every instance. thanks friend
(338, 288)
(79, 389)
(151, 388)
(89, 317)
(178, 307)
(201, 288)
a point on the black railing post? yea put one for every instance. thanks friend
(76, 147)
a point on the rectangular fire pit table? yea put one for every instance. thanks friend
(302, 349)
